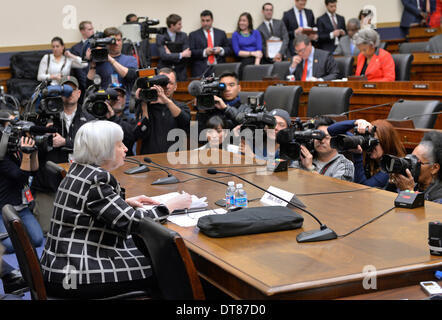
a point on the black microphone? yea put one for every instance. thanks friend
(372, 107)
(139, 169)
(149, 160)
(324, 233)
(421, 115)
(195, 88)
(170, 179)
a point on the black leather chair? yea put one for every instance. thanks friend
(171, 262)
(383, 45)
(283, 97)
(413, 110)
(281, 70)
(402, 63)
(253, 72)
(30, 264)
(345, 66)
(221, 68)
(328, 100)
(243, 95)
(410, 47)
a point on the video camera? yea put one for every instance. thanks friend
(367, 141)
(9, 102)
(392, 164)
(147, 92)
(146, 29)
(11, 135)
(98, 44)
(204, 90)
(95, 103)
(291, 139)
(257, 116)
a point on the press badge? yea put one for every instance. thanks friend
(27, 195)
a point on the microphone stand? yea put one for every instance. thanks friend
(170, 179)
(372, 107)
(139, 169)
(324, 233)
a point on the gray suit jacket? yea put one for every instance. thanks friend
(343, 48)
(279, 30)
(324, 66)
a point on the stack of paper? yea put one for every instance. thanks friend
(196, 202)
(191, 219)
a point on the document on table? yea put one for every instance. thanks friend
(273, 47)
(191, 219)
(196, 202)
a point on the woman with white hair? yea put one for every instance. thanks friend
(374, 63)
(89, 252)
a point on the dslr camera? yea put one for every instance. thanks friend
(291, 139)
(11, 135)
(367, 141)
(204, 90)
(98, 44)
(147, 92)
(392, 164)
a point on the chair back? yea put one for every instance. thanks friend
(328, 100)
(410, 47)
(221, 68)
(283, 97)
(281, 70)
(345, 66)
(253, 72)
(171, 262)
(402, 64)
(26, 255)
(414, 109)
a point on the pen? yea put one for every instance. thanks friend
(186, 211)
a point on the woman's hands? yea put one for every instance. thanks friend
(140, 201)
(182, 201)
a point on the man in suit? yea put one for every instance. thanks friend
(296, 20)
(346, 46)
(415, 12)
(209, 46)
(312, 64)
(87, 31)
(331, 27)
(273, 29)
(173, 47)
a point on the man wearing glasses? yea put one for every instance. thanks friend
(311, 64)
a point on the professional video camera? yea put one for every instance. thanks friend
(204, 90)
(9, 102)
(11, 135)
(95, 103)
(146, 29)
(98, 44)
(257, 116)
(147, 92)
(291, 139)
(367, 141)
(392, 164)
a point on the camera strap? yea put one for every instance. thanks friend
(327, 166)
(49, 61)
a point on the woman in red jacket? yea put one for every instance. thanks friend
(374, 63)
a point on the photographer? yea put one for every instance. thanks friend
(369, 174)
(226, 107)
(157, 118)
(119, 68)
(429, 154)
(15, 170)
(325, 160)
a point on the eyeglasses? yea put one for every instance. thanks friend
(301, 50)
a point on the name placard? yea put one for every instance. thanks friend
(430, 30)
(420, 86)
(435, 56)
(369, 86)
(322, 85)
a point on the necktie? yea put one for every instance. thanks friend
(304, 73)
(211, 58)
(335, 26)
(301, 22)
(271, 28)
(418, 4)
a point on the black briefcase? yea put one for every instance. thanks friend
(250, 221)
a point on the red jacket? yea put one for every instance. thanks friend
(380, 68)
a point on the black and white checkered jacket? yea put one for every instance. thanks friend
(90, 231)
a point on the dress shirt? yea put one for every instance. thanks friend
(309, 67)
(304, 17)
(212, 34)
(332, 36)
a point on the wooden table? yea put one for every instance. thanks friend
(420, 34)
(275, 266)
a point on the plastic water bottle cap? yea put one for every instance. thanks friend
(239, 185)
(230, 183)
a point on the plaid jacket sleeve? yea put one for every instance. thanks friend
(104, 203)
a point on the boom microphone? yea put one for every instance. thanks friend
(324, 233)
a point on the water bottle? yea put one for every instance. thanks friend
(240, 196)
(230, 195)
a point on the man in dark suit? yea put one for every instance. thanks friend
(312, 64)
(86, 30)
(209, 46)
(331, 27)
(415, 12)
(173, 47)
(296, 20)
(273, 29)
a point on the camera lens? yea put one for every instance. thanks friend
(149, 95)
(54, 105)
(99, 109)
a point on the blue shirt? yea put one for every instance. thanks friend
(251, 43)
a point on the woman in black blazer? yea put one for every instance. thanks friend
(89, 251)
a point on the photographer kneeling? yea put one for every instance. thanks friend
(325, 160)
(429, 159)
(15, 170)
